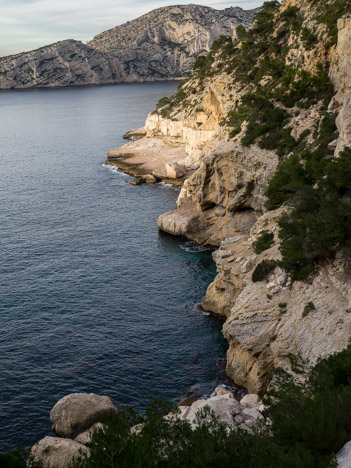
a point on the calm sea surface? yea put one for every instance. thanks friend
(92, 297)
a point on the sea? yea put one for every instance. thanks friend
(93, 298)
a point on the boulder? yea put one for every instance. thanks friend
(77, 412)
(187, 401)
(54, 452)
(149, 179)
(86, 436)
(223, 391)
(344, 456)
(135, 134)
(175, 170)
(223, 407)
(250, 413)
(251, 400)
(137, 181)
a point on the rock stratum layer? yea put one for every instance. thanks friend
(270, 96)
(162, 44)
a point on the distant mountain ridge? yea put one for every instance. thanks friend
(162, 44)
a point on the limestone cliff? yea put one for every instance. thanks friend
(64, 63)
(274, 98)
(162, 44)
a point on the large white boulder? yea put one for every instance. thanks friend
(77, 412)
(251, 400)
(344, 456)
(86, 436)
(175, 170)
(223, 407)
(54, 452)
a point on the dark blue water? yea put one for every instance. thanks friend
(92, 297)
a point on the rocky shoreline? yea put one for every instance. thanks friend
(75, 417)
(222, 203)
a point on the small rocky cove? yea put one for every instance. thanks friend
(196, 139)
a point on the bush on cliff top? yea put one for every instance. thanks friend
(319, 193)
(263, 242)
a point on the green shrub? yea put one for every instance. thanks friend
(308, 308)
(202, 65)
(291, 15)
(313, 413)
(308, 38)
(264, 242)
(263, 269)
(329, 15)
(318, 191)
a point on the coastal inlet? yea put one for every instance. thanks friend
(93, 298)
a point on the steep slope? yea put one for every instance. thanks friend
(266, 121)
(162, 44)
(64, 63)
(165, 42)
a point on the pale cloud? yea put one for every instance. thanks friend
(28, 24)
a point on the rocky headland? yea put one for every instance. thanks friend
(277, 93)
(160, 45)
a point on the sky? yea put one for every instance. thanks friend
(29, 24)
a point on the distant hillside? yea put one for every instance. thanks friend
(162, 44)
(165, 42)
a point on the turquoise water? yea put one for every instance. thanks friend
(93, 298)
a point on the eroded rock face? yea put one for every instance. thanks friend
(340, 76)
(235, 261)
(54, 452)
(340, 67)
(343, 123)
(273, 318)
(224, 196)
(222, 204)
(77, 412)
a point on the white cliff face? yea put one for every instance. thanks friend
(270, 319)
(223, 198)
(196, 123)
(162, 44)
(340, 76)
(180, 132)
(340, 67)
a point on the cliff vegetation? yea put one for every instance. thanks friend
(272, 185)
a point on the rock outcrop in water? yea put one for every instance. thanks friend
(162, 44)
(280, 91)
